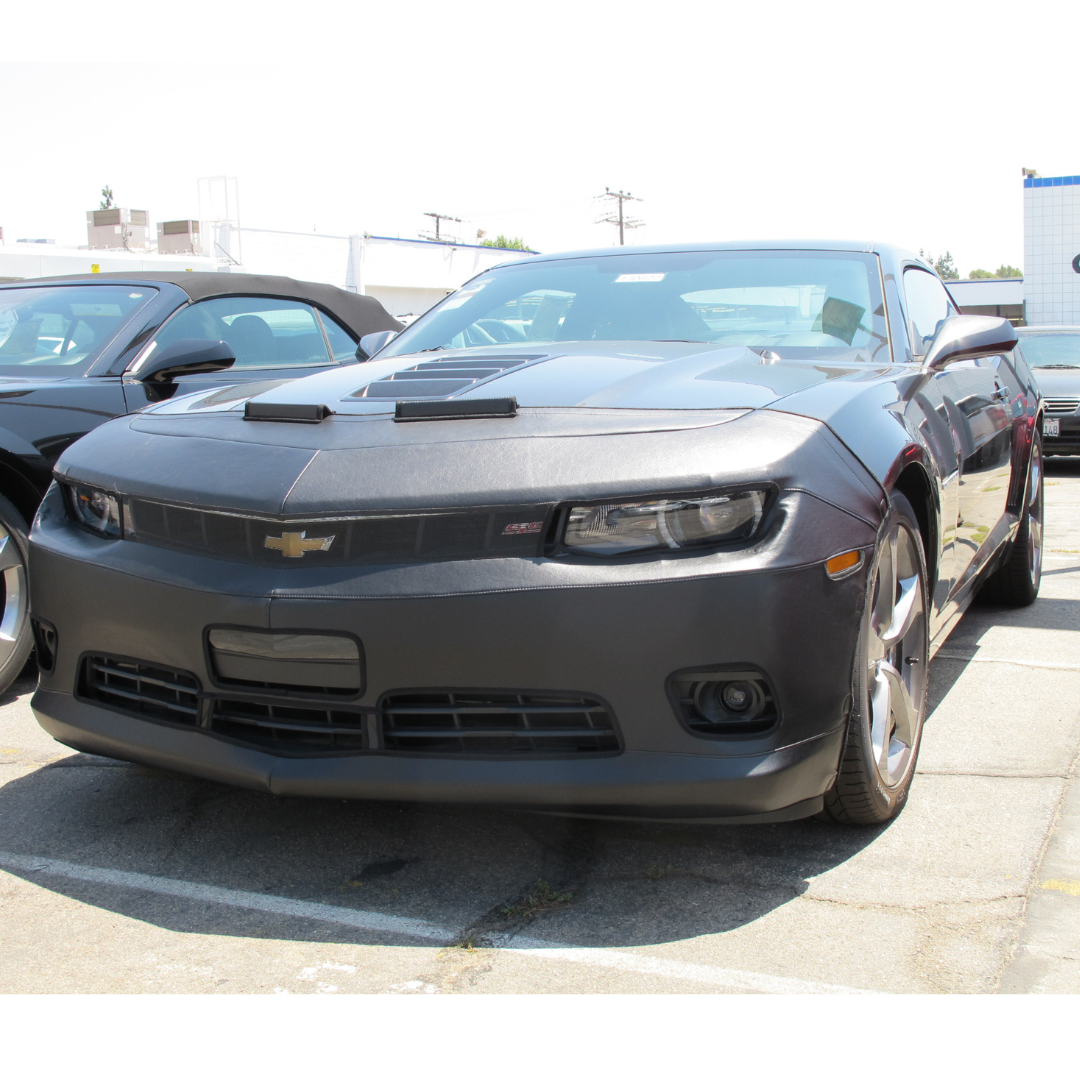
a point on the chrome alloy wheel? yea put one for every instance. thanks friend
(1034, 512)
(13, 623)
(896, 651)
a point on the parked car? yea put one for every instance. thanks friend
(77, 351)
(660, 531)
(1053, 354)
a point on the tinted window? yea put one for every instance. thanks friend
(1051, 350)
(342, 343)
(779, 299)
(58, 329)
(928, 306)
(263, 332)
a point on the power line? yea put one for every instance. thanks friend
(623, 223)
(439, 218)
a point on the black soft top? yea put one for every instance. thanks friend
(361, 314)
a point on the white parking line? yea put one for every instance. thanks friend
(532, 948)
(943, 655)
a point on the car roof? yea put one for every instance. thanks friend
(361, 314)
(895, 253)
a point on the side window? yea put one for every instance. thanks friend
(928, 305)
(342, 343)
(264, 332)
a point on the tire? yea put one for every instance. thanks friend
(1016, 582)
(16, 639)
(888, 679)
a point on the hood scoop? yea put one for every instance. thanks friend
(463, 409)
(441, 378)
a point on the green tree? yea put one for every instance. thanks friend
(943, 264)
(106, 198)
(1008, 271)
(514, 243)
(975, 274)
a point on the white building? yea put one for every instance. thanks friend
(1052, 250)
(1001, 297)
(406, 276)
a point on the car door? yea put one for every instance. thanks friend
(273, 338)
(976, 398)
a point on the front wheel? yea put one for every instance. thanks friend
(16, 640)
(889, 679)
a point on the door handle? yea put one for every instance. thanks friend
(1002, 393)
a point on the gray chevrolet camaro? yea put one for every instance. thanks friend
(667, 532)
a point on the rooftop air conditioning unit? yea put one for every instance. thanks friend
(118, 228)
(178, 238)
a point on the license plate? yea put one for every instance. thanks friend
(1051, 427)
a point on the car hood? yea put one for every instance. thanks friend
(1058, 382)
(587, 375)
(681, 418)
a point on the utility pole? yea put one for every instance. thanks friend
(438, 219)
(622, 222)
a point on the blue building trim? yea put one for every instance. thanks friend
(1051, 181)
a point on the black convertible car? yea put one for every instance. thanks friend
(662, 531)
(77, 351)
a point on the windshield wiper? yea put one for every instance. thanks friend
(1057, 367)
(434, 348)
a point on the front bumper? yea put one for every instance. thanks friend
(616, 631)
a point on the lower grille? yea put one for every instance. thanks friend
(475, 723)
(288, 729)
(147, 690)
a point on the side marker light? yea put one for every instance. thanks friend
(839, 566)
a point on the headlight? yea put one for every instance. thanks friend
(98, 510)
(615, 528)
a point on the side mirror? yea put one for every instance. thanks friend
(967, 337)
(191, 356)
(370, 344)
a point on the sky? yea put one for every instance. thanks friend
(905, 123)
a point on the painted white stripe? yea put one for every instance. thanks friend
(212, 894)
(1005, 660)
(533, 948)
(729, 978)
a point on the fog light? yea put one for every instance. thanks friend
(737, 697)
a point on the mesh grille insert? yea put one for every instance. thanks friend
(388, 539)
(289, 729)
(475, 723)
(147, 690)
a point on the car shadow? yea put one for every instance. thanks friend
(482, 873)
(479, 872)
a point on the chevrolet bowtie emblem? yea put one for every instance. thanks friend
(293, 544)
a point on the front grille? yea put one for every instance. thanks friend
(476, 723)
(139, 688)
(496, 533)
(1060, 406)
(286, 729)
(441, 378)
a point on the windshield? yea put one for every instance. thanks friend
(53, 329)
(788, 300)
(1051, 350)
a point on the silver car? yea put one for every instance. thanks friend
(1053, 354)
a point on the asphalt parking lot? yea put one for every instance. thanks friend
(119, 878)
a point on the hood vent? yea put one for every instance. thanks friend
(441, 378)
